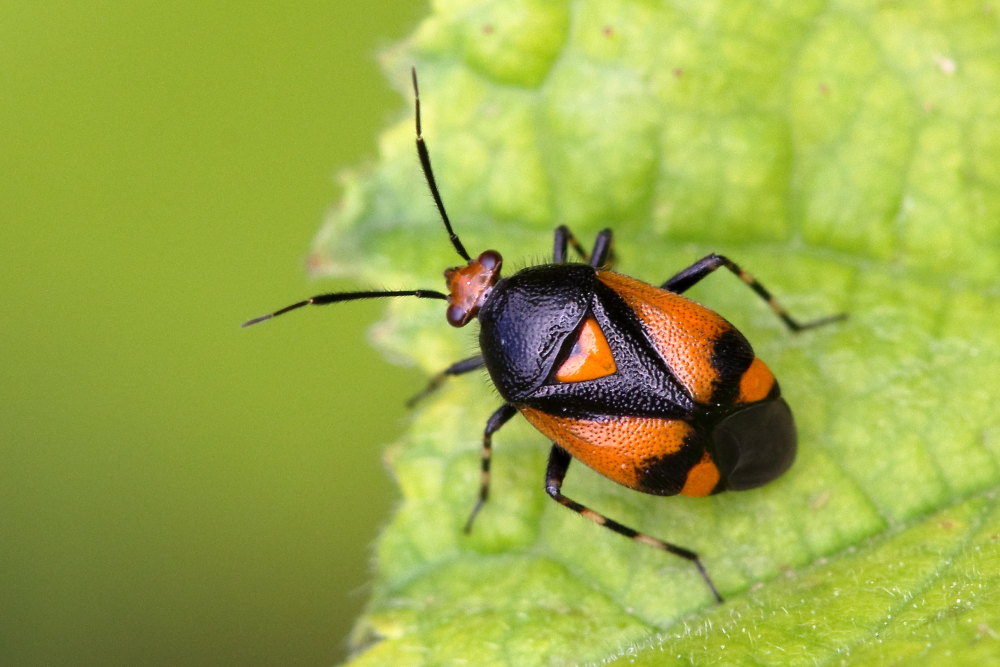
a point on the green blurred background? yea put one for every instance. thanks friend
(176, 490)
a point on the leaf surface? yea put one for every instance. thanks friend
(848, 155)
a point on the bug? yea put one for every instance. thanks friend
(650, 389)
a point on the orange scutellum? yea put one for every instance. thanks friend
(590, 357)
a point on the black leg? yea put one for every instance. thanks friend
(694, 273)
(493, 424)
(602, 253)
(564, 237)
(555, 473)
(457, 368)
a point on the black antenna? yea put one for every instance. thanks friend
(425, 163)
(336, 297)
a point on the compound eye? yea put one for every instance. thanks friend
(589, 358)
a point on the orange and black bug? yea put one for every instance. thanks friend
(645, 386)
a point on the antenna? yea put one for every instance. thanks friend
(425, 163)
(337, 297)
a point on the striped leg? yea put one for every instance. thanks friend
(600, 255)
(555, 474)
(493, 424)
(694, 273)
(457, 368)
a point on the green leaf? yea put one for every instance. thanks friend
(846, 153)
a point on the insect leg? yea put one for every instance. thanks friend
(493, 424)
(555, 473)
(602, 253)
(562, 238)
(457, 368)
(598, 257)
(706, 265)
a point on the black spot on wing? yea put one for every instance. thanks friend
(666, 475)
(731, 357)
